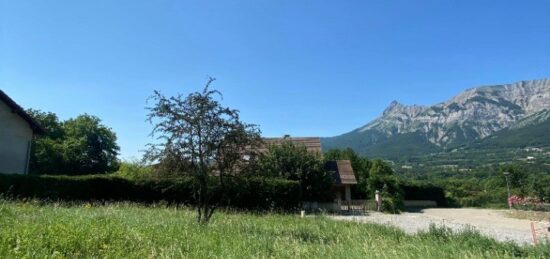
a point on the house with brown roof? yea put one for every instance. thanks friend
(16, 132)
(312, 144)
(341, 170)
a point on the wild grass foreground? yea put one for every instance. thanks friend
(34, 229)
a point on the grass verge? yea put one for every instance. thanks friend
(122, 230)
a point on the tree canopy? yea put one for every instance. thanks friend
(294, 162)
(208, 138)
(82, 145)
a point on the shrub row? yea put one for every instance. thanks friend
(245, 193)
(414, 191)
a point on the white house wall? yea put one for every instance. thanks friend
(15, 139)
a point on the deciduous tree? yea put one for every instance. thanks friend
(209, 138)
(294, 162)
(82, 145)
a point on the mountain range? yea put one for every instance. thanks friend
(512, 115)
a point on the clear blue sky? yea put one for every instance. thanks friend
(305, 68)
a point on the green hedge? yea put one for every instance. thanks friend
(416, 191)
(246, 193)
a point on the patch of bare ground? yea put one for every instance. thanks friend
(542, 216)
(492, 223)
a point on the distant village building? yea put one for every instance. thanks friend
(16, 131)
(533, 149)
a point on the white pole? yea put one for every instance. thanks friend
(377, 199)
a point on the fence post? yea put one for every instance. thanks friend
(378, 199)
(534, 233)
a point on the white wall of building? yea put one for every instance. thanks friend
(15, 139)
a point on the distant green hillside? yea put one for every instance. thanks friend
(529, 137)
(414, 150)
(375, 144)
(533, 131)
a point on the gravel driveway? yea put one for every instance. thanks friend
(492, 223)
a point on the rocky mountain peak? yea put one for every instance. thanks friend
(394, 106)
(473, 114)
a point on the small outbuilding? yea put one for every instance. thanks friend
(343, 177)
(16, 132)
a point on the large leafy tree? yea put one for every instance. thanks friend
(90, 147)
(294, 162)
(77, 146)
(47, 150)
(208, 138)
(382, 178)
(516, 176)
(381, 174)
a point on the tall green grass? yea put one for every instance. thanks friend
(36, 230)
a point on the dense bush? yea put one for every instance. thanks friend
(420, 191)
(294, 162)
(382, 178)
(264, 193)
(245, 193)
(134, 170)
(527, 203)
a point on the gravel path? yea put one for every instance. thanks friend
(492, 223)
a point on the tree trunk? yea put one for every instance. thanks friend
(203, 207)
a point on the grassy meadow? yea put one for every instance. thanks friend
(49, 230)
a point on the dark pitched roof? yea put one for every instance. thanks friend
(312, 144)
(342, 172)
(15, 108)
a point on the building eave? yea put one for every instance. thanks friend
(15, 108)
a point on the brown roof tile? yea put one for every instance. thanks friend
(342, 171)
(312, 144)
